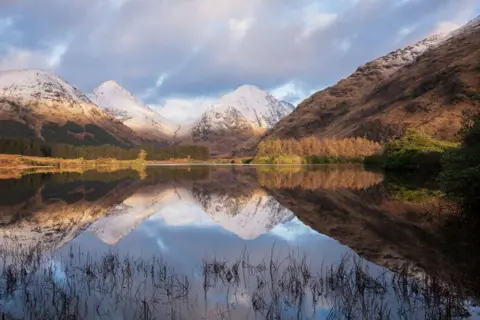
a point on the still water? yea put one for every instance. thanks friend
(208, 242)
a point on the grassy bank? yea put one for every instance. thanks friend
(233, 161)
(24, 162)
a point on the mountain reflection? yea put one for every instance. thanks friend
(51, 209)
(360, 209)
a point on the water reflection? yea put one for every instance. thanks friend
(191, 229)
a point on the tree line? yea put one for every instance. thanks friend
(39, 148)
(313, 146)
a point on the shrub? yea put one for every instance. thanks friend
(415, 150)
(460, 177)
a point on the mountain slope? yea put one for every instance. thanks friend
(238, 116)
(132, 112)
(36, 104)
(428, 85)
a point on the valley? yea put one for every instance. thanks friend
(429, 85)
(240, 159)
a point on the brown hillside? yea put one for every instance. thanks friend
(429, 85)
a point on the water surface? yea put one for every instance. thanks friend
(208, 242)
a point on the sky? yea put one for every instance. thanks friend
(181, 55)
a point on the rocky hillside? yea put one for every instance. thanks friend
(36, 104)
(428, 85)
(133, 113)
(239, 116)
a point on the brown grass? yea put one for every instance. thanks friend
(313, 146)
(15, 166)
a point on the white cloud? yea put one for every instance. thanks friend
(315, 18)
(240, 27)
(292, 91)
(343, 45)
(445, 27)
(149, 92)
(184, 110)
(208, 47)
(56, 54)
(16, 58)
(404, 32)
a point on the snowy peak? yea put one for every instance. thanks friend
(237, 117)
(261, 109)
(28, 85)
(397, 59)
(132, 112)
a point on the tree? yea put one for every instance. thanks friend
(142, 155)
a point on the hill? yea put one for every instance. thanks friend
(37, 105)
(429, 85)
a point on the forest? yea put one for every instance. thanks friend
(39, 148)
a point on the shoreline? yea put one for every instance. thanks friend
(19, 163)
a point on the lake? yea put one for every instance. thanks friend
(232, 242)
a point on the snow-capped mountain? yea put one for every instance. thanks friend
(125, 107)
(238, 116)
(36, 104)
(27, 85)
(257, 108)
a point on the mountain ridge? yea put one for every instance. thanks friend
(430, 84)
(35, 104)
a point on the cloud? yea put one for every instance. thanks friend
(184, 110)
(178, 50)
(445, 27)
(14, 58)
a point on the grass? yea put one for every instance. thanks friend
(17, 161)
(83, 286)
(15, 166)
